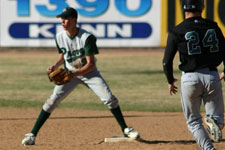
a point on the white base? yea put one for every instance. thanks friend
(119, 139)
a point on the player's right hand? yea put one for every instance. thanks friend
(222, 76)
(173, 88)
(50, 68)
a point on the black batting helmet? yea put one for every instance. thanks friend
(193, 5)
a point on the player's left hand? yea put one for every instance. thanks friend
(173, 88)
(222, 76)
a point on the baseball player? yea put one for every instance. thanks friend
(74, 43)
(201, 48)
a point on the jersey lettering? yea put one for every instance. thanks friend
(210, 40)
(73, 55)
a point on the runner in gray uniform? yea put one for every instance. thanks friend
(74, 43)
(201, 48)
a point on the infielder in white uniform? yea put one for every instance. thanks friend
(74, 43)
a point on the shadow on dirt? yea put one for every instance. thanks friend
(72, 117)
(170, 142)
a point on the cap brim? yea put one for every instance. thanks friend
(59, 16)
(64, 14)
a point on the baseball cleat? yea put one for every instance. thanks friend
(213, 128)
(210, 149)
(29, 139)
(131, 133)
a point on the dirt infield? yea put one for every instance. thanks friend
(85, 130)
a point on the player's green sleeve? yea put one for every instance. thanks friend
(90, 46)
(57, 45)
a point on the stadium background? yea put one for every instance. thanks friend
(116, 23)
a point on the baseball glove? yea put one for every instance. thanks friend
(60, 76)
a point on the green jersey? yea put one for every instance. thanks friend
(81, 45)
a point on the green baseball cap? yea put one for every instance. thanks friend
(68, 12)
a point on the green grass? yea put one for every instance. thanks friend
(136, 79)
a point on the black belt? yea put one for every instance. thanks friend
(210, 68)
(213, 69)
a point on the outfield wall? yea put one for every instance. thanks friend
(116, 23)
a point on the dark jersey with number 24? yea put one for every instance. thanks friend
(200, 44)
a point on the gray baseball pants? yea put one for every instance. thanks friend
(200, 86)
(93, 80)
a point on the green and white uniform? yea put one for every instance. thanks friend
(83, 44)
